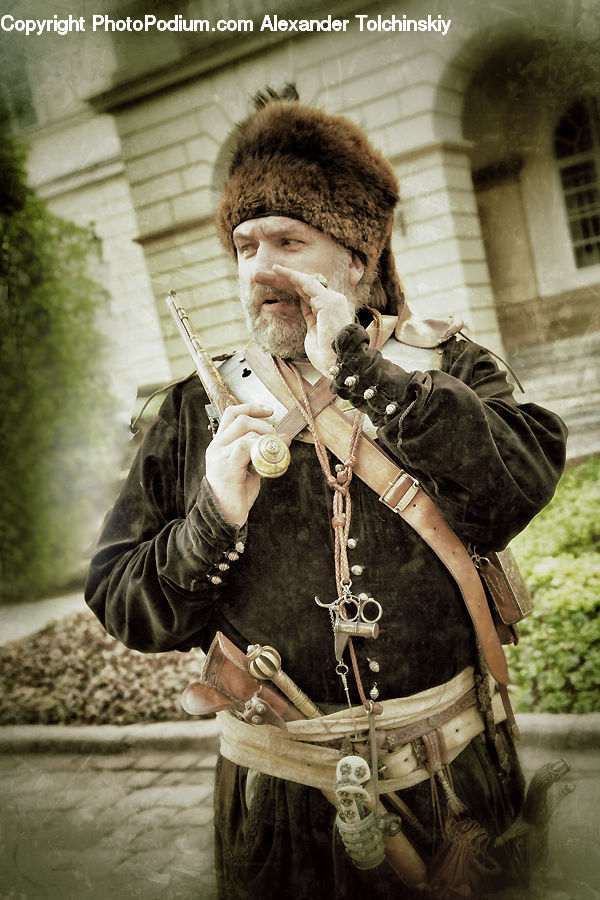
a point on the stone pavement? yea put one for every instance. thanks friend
(116, 813)
(106, 825)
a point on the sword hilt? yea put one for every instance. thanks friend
(265, 665)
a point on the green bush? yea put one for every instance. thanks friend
(73, 673)
(569, 524)
(556, 665)
(54, 403)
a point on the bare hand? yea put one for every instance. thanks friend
(228, 455)
(325, 311)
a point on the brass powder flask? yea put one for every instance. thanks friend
(270, 454)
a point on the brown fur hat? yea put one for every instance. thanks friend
(294, 160)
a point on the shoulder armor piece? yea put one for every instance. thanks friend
(427, 333)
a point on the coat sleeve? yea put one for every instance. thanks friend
(489, 463)
(149, 581)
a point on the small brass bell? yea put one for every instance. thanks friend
(374, 693)
(373, 664)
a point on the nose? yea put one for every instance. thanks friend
(263, 259)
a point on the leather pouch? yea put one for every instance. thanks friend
(226, 683)
(510, 597)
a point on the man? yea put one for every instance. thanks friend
(198, 544)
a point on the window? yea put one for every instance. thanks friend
(577, 150)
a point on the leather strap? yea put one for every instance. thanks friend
(403, 495)
(319, 396)
(404, 734)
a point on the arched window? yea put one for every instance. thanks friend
(577, 150)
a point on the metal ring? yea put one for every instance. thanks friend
(321, 279)
(343, 614)
(378, 607)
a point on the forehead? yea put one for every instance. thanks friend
(274, 226)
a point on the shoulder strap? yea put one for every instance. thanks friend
(403, 495)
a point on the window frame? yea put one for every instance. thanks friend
(586, 215)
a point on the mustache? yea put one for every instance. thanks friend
(258, 294)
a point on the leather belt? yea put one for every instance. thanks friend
(281, 754)
(407, 733)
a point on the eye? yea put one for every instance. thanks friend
(288, 241)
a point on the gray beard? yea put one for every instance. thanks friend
(280, 336)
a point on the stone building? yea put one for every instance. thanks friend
(493, 128)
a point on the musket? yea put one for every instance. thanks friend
(270, 453)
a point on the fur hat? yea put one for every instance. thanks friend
(296, 161)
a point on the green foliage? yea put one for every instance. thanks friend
(556, 666)
(570, 523)
(73, 673)
(53, 395)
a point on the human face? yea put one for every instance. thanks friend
(273, 314)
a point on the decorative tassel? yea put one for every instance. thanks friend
(455, 806)
(437, 764)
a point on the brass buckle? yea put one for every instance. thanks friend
(406, 498)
